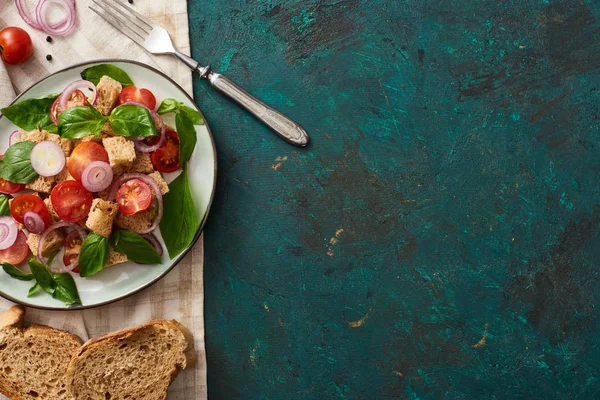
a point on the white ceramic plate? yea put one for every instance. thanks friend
(118, 282)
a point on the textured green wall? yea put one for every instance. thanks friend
(439, 238)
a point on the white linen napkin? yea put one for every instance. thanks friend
(180, 294)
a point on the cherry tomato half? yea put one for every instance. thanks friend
(139, 95)
(83, 154)
(17, 253)
(15, 45)
(166, 157)
(134, 196)
(72, 245)
(71, 201)
(77, 99)
(28, 202)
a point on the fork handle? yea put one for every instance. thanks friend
(284, 127)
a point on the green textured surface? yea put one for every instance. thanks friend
(439, 238)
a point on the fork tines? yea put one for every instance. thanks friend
(121, 17)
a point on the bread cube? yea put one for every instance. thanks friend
(162, 184)
(64, 175)
(54, 241)
(142, 163)
(36, 136)
(65, 144)
(114, 257)
(108, 94)
(121, 153)
(42, 184)
(54, 218)
(137, 222)
(101, 217)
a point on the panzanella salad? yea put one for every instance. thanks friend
(83, 177)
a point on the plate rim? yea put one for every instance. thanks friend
(202, 223)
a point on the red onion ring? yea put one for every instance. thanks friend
(40, 256)
(139, 143)
(47, 158)
(66, 94)
(112, 193)
(97, 176)
(14, 136)
(33, 222)
(8, 232)
(31, 20)
(63, 28)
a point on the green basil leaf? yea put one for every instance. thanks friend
(192, 114)
(93, 74)
(132, 120)
(32, 113)
(16, 273)
(16, 164)
(66, 289)
(187, 137)
(179, 223)
(135, 247)
(42, 276)
(4, 206)
(93, 255)
(33, 289)
(79, 121)
(167, 106)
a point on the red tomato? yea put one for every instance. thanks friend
(144, 96)
(77, 99)
(134, 196)
(166, 157)
(15, 45)
(29, 202)
(83, 154)
(72, 245)
(71, 201)
(17, 253)
(9, 187)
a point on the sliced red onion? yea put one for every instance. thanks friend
(31, 19)
(60, 28)
(16, 135)
(40, 256)
(33, 222)
(81, 83)
(47, 158)
(97, 176)
(8, 232)
(139, 143)
(152, 183)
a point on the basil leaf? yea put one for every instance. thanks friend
(4, 206)
(33, 289)
(79, 121)
(192, 114)
(16, 164)
(179, 223)
(65, 289)
(32, 113)
(93, 255)
(132, 120)
(167, 106)
(187, 137)
(135, 247)
(16, 273)
(42, 276)
(93, 74)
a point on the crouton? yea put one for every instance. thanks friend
(65, 144)
(101, 217)
(64, 175)
(42, 184)
(162, 184)
(36, 136)
(54, 218)
(142, 163)
(137, 222)
(114, 257)
(90, 138)
(121, 153)
(54, 241)
(108, 94)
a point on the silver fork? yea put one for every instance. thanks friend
(155, 39)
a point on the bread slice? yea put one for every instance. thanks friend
(136, 363)
(33, 361)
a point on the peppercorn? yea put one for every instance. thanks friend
(130, 1)
(48, 39)
(48, 57)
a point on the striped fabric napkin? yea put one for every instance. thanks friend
(180, 294)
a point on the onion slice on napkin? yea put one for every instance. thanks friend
(38, 19)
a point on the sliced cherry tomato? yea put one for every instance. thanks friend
(9, 187)
(139, 95)
(71, 201)
(134, 196)
(77, 99)
(166, 157)
(29, 202)
(72, 245)
(83, 154)
(15, 45)
(17, 253)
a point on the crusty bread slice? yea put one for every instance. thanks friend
(33, 361)
(136, 363)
